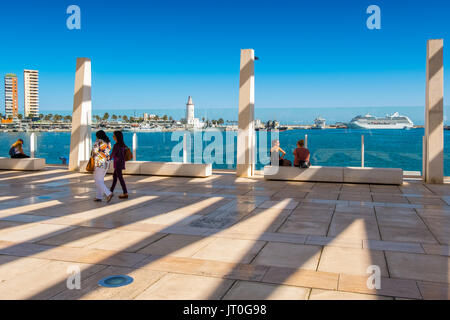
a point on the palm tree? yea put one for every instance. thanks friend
(114, 117)
(20, 116)
(106, 116)
(68, 118)
(125, 118)
(165, 117)
(57, 118)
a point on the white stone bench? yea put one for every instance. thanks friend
(27, 164)
(318, 174)
(151, 168)
(373, 175)
(176, 169)
(336, 174)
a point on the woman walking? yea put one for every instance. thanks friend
(118, 155)
(100, 152)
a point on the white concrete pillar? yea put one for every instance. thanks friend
(423, 156)
(246, 128)
(434, 113)
(135, 142)
(306, 141)
(32, 145)
(81, 139)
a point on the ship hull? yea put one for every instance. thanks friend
(355, 125)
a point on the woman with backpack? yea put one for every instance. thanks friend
(16, 150)
(301, 155)
(119, 155)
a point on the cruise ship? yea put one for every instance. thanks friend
(319, 123)
(394, 121)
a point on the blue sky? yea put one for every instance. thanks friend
(153, 54)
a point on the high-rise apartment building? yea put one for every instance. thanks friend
(11, 96)
(31, 93)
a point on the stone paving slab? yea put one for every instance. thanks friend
(302, 278)
(204, 267)
(289, 255)
(420, 235)
(43, 287)
(244, 290)
(436, 249)
(418, 266)
(351, 261)
(389, 287)
(434, 291)
(230, 250)
(176, 245)
(392, 246)
(90, 290)
(318, 294)
(186, 287)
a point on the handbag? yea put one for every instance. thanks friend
(90, 167)
(128, 154)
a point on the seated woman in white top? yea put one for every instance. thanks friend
(275, 158)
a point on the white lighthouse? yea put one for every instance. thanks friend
(192, 122)
(190, 112)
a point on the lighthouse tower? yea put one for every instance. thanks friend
(190, 112)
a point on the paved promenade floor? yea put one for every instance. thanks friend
(222, 238)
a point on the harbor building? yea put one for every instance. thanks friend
(11, 96)
(31, 93)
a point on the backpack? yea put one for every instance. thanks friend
(304, 165)
(12, 152)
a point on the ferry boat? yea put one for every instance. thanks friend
(319, 123)
(394, 121)
(142, 128)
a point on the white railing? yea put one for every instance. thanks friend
(33, 144)
(135, 142)
(362, 151)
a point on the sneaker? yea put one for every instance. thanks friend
(97, 200)
(123, 196)
(108, 198)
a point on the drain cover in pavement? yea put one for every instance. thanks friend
(115, 281)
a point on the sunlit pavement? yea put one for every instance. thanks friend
(222, 238)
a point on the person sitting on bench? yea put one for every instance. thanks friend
(275, 155)
(16, 151)
(301, 155)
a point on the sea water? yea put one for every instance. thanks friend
(329, 147)
(286, 116)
